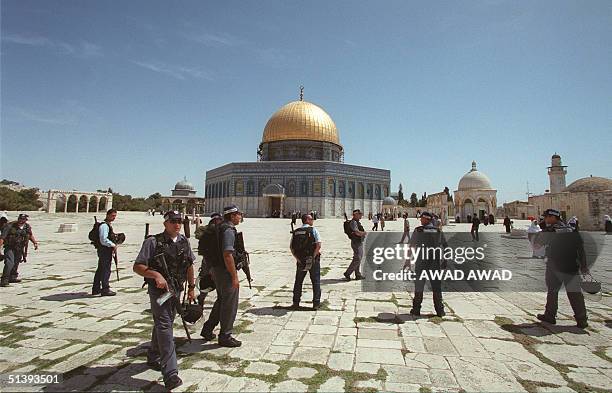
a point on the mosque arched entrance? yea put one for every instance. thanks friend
(274, 195)
(482, 208)
(468, 208)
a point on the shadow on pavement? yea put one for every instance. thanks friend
(537, 329)
(60, 297)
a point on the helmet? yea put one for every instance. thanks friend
(193, 312)
(119, 238)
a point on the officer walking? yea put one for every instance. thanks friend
(169, 248)
(357, 240)
(15, 237)
(427, 235)
(106, 247)
(226, 280)
(306, 248)
(564, 257)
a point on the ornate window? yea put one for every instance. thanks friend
(369, 191)
(341, 188)
(316, 186)
(239, 187)
(262, 185)
(360, 190)
(250, 187)
(291, 188)
(331, 187)
(304, 188)
(377, 191)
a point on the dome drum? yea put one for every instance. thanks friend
(300, 150)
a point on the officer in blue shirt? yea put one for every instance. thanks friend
(308, 260)
(106, 249)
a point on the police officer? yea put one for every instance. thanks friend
(427, 235)
(14, 238)
(207, 283)
(226, 280)
(106, 247)
(564, 257)
(178, 258)
(357, 240)
(307, 253)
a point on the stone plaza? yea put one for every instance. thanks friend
(358, 341)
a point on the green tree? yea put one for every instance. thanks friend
(414, 200)
(24, 200)
(400, 194)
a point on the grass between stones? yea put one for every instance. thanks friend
(242, 327)
(244, 305)
(424, 389)
(364, 319)
(325, 270)
(601, 352)
(15, 333)
(8, 310)
(529, 344)
(323, 374)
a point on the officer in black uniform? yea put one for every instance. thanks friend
(226, 280)
(172, 249)
(565, 256)
(427, 235)
(15, 237)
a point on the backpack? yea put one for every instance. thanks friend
(302, 242)
(208, 244)
(94, 234)
(347, 229)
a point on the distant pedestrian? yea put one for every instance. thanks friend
(406, 234)
(375, 222)
(608, 224)
(491, 219)
(474, 230)
(573, 223)
(382, 223)
(507, 224)
(186, 228)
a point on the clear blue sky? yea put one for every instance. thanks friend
(137, 94)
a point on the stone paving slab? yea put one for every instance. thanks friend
(487, 341)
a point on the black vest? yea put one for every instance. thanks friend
(176, 256)
(17, 238)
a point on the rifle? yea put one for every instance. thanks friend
(25, 251)
(116, 264)
(241, 258)
(161, 260)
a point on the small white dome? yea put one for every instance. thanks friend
(388, 201)
(183, 185)
(474, 180)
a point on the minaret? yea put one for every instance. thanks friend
(556, 174)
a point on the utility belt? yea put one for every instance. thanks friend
(306, 263)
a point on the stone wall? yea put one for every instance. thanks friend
(588, 207)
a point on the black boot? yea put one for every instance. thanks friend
(547, 318)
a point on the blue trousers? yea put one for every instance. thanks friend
(315, 279)
(162, 348)
(12, 257)
(102, 276)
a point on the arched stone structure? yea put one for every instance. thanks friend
(89, 201)
(475, 195)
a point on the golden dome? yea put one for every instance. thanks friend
(301, 120)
